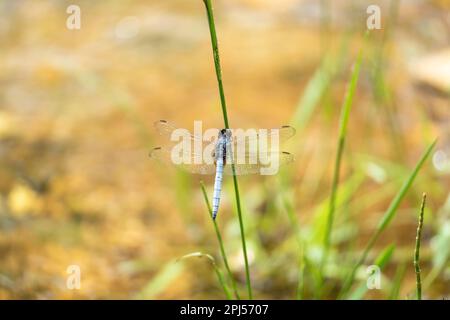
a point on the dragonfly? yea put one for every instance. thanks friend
(224, 152)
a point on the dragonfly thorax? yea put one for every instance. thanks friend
(226, 133)
(223, 145)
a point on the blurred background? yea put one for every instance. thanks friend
(77, 109)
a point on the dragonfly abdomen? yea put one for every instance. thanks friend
(220, 156)
(217, 187)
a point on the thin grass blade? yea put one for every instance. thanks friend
(215, 48)
(387, 217)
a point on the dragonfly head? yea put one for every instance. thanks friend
(225, 133)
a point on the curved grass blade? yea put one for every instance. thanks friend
(216, 269)
(160, 281)
(381, 261)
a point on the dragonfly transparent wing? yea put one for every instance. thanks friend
(192, 164)
(204, 168)
(165, 129)
(284, 133)
(257, 166)
(195, 164)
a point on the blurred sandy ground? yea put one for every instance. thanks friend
(77, 107)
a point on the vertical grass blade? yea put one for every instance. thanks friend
(293, 219)
(343, 123)
(313, 92)
(417, 249)
(241, 227)
(215, 48)
(387, 217)
(222, 247)
(441, 249)
(317, 86)
(398, 279)
(222, 282)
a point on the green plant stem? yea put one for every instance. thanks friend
(241, 226)
(215, 48)
(417, 249)
(222, 281)
(387, 218)
(222, 247)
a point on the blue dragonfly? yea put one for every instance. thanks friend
(224, 152)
